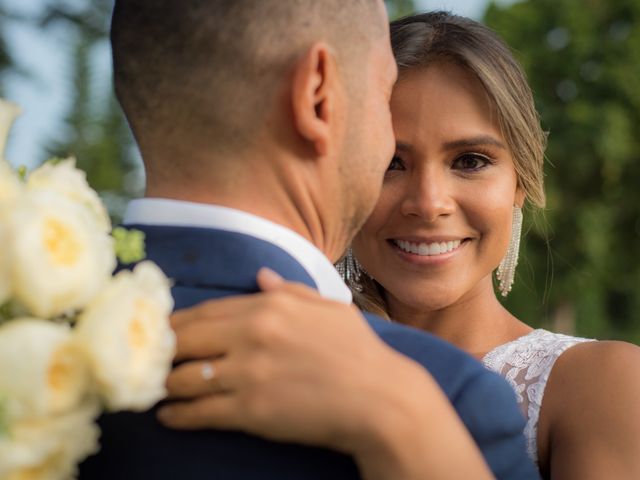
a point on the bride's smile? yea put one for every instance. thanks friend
(427, 249)
(443, 220)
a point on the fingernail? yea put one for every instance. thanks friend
(269, 275)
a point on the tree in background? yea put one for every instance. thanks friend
(8, 64)
(96, 131)
(583, 62)
(399, 8)
(98, 134)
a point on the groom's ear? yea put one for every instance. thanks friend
(315, 95)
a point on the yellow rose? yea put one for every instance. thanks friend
(42, 372)
(8, 113)
(49, 448)
(64, 178)
(60, 258)
(126, 333)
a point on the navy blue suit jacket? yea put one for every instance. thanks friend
(207, 263)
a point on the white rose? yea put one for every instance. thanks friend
(60, 258)
(8, 113)
(10, 185)
(63, 177)
(10, 189)
(42, 372)
(126, 333)
(5, 264)
(49, 448)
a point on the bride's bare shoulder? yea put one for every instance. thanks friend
(589, 364)
(590, 414)
(595, 374)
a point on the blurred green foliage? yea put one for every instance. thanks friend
(7, 62)
(96, 131)
(98, 134)
(579, 267)
(581, 263)
(399, 8)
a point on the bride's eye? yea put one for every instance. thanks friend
(396, 164)
(471, 162)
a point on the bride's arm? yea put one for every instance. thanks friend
(291, 366)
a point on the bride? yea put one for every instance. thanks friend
(469, 157)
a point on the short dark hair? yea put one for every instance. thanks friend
(208, 70)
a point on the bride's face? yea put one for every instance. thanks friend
(443, 221)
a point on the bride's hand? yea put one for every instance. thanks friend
(289, 365)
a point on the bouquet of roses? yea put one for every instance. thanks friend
(75, 339)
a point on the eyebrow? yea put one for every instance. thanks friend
(457, 144)
(474, 142)
(403, 147)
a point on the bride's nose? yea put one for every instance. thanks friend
(428, 196)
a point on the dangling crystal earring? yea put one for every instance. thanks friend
(507, 268)
(350, 270)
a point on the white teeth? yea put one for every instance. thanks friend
(427, 249)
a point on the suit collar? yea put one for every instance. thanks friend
(167, 212)
(217, 259)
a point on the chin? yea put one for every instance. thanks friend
(426, 300)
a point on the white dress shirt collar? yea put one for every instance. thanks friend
(167, 212)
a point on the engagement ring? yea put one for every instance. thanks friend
(208, 372)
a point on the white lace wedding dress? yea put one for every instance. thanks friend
(526, 364)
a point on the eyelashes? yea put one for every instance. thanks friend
(472, 162)
(396, 164)
(468, 162)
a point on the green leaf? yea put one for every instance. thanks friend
(129, 245)
(22, 172)
(10, 310)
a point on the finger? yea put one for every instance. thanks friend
(198, 378)
(295, 290)
(212, 411)
(208, 310)
(205, 339)
(214, 309)
(268, 279)
(182, 316)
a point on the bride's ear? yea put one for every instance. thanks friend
(521, 196)
(314, 94)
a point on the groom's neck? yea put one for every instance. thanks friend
(267, 189)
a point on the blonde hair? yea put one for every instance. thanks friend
(424, 39)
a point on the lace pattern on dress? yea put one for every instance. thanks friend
(526, 364)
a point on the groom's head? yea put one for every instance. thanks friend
(206, 84)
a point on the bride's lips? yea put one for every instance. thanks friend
(432, 250)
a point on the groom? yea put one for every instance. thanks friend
(265, 131)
